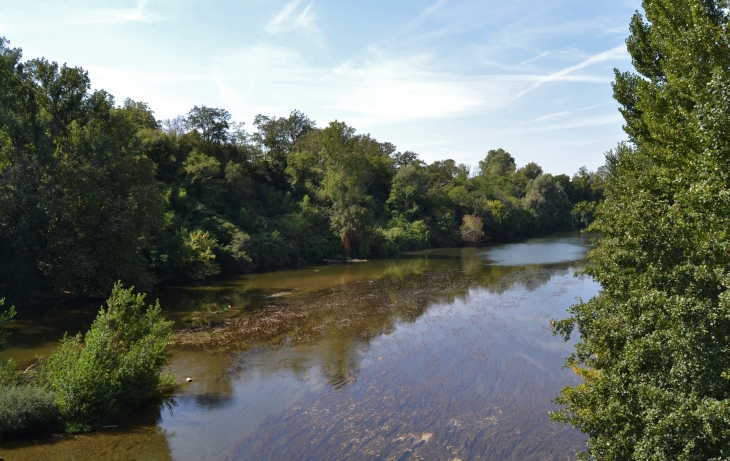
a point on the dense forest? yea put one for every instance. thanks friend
(92, 192)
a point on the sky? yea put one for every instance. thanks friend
(444, 78)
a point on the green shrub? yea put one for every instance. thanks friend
(199, 260)
(5, 318)
(270, 249)
(117, 369)
(26, 409)
(9, 374)
(404, 236)
(8, 368)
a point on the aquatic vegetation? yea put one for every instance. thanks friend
(361, 309)
(114, 367)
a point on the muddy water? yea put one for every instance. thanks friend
(440, 355)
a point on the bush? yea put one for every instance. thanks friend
(472, 230)
(26, 409)
(117, 369)
(404, 236)
(199, 260)
(9, 374)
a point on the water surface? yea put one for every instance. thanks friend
(441, 355)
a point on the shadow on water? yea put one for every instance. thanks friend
(441, 354)
(138, 438)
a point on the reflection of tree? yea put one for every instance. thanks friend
(499, 279)
(350, 315)
(136, 438)
(347, 316)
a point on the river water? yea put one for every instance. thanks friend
(440, 355)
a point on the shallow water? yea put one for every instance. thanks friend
(443, 354)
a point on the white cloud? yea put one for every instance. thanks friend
(163, 91)
(551, 116)
(616, 53)
(372, 90)
(376, 88)
(108, 16)
(541, 55)
(623, 30)
(424, 15)
(611, 119)
(286, 20)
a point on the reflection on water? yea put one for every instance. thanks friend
(537, 252)
(443, 354)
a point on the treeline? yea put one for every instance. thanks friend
(92, 192)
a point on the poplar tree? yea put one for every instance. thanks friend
(654, 350)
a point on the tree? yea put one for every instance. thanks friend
(406, 184)
(102, 202)
(25, 153)
(549, 202)
(212, 124)
(472, 229)
(276, 137)
(654, 343)
(345, 184)
(203, 174)
(406, 158)
(530, 171)
(497, 162)
(198, 257)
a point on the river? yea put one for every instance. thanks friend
(444, 354)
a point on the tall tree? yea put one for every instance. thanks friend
(103, 204)
(276, 137)
(655, 349)
(549, 202)
(345, 184)
(497, 162)
(211, 124)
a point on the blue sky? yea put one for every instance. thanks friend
(444, 78)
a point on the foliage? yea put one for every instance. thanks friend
(8, 368)
(26, 409)
(211, 124)
(497, 163)
(92, 192)
(584, 213)
(654, 343)
(407, 184)
(402, 235)
(114, 367)
(472, 229)
(199, 260)
(5, 318)
(549, 203)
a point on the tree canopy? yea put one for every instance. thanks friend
(653, 350)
